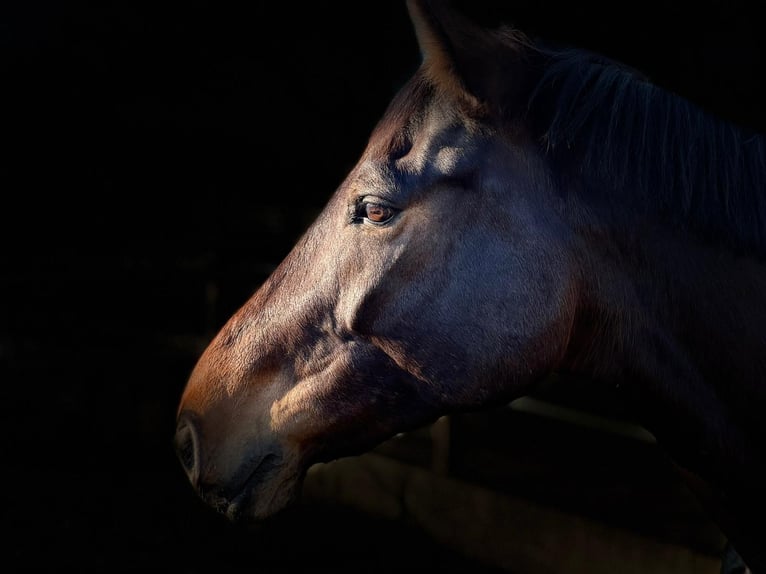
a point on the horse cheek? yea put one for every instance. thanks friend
(527, 315)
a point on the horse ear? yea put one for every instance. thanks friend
(482, 66)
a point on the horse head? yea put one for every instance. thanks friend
(438, 278)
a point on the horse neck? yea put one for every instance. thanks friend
(678, 325)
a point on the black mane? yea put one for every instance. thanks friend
(629, 136)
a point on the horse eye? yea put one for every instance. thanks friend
(377, 213)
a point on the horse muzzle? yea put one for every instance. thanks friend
(261, 483)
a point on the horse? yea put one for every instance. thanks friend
(520, 209)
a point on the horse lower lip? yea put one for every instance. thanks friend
(234, 509)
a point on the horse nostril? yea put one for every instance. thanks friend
(186, 447)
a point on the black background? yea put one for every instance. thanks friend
(159, 159)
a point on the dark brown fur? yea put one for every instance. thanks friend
(547, 216)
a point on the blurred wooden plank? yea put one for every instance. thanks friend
(496, 529)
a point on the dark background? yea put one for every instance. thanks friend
(159, 160)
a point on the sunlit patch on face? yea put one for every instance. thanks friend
(447, 159)
(297, 412)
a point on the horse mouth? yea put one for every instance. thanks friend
(254, 498)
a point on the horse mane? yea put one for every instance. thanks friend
(650, 148)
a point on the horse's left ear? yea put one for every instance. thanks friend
(482, 66)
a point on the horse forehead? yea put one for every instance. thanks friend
(441, 149)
